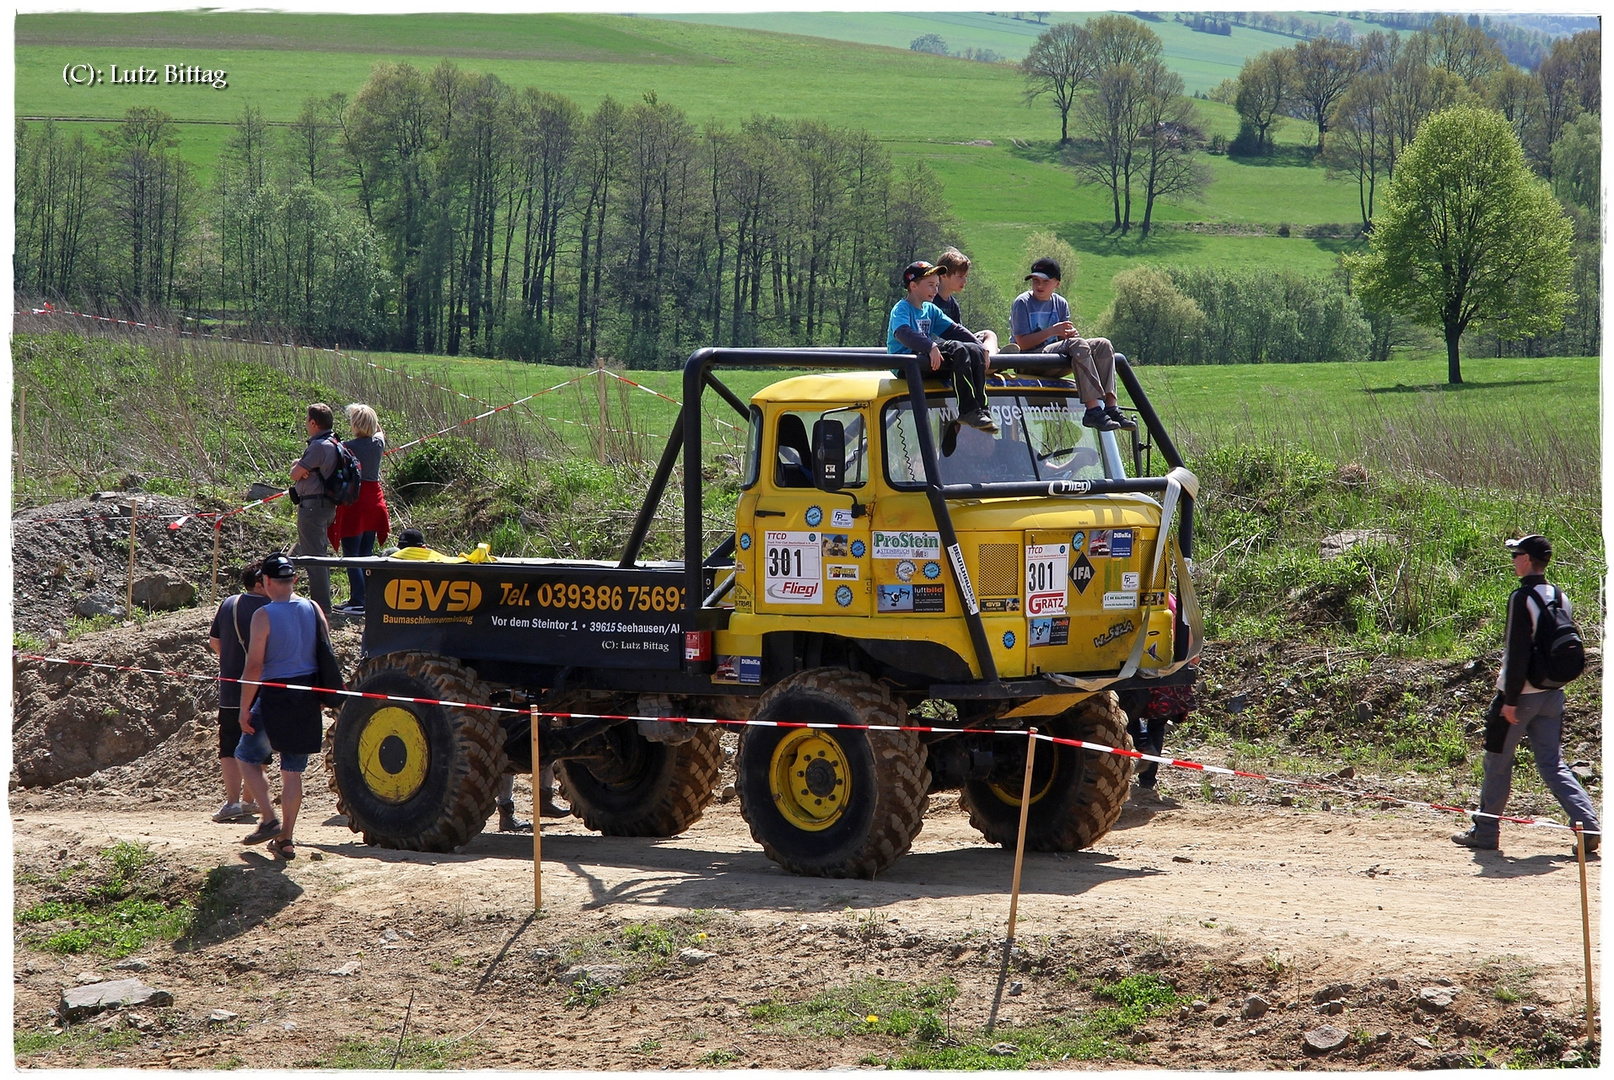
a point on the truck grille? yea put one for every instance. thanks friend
(999, 569)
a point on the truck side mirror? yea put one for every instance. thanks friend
(829, 454)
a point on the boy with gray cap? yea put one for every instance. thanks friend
(1523, 709)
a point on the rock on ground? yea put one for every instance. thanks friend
(81, 1001)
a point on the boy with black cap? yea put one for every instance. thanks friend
(918, 326)
(1522, 709)
(1040, 323)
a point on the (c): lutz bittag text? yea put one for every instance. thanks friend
(166, 75)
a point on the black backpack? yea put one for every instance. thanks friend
(342, 485)
(1558, 654)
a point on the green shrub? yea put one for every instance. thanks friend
(428, 469)
(1151, 316)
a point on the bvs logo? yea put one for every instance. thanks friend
(410, 594)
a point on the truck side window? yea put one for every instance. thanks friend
(793, 447)
(751, 471)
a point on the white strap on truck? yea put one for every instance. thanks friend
(1178, 480)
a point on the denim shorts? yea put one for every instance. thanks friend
(254, 749)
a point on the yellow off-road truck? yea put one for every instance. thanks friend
(1020, 580)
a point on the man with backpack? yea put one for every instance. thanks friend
(1542, 652)
(311, 476)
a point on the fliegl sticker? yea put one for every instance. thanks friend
(793, 568)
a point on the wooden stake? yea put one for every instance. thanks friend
(134, 514)
(537, 821)
(1020, 841)
(22, 427)
(218, 530)
(1585, 922)
(1014, 889)
(599, 380)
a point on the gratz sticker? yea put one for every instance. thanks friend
(1046, 567)
(793, 568)
(907, 545)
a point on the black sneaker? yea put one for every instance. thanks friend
(981, 420)
(949, 438)
(1470, 839)
(1122, 420)
(1097, 418)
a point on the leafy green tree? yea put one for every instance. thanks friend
(934, 44)
(1266, 89)
(1150, 318)
(1468, 235)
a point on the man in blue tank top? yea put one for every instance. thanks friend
(281, 650)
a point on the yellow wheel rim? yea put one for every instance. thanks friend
(1011, 794)
(393, 755)
(810, 779)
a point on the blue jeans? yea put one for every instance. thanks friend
(1541, 719)
(363, 544)
(254, 749)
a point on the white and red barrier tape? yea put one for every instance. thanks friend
(1080, 744)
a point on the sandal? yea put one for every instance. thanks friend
(286, 849)
(266, 830)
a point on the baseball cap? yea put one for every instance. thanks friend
(914, 271)
(1045, 268)
(278, 566)
(411, 538)
(1535, 545)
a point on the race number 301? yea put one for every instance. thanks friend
(1046, 566)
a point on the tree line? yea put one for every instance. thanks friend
(446, 211)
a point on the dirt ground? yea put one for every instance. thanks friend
(1223, 901)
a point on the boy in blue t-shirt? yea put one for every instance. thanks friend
(1040, 323)
(918, 326)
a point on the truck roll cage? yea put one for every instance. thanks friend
(699, 605)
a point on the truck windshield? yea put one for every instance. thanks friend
(1040, 437)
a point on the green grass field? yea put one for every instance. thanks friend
(1000, 193)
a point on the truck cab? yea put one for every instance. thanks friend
(1060, 584)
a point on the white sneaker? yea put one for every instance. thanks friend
(228, 812)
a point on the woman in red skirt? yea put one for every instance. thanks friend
(361, 524)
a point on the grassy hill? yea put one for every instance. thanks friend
(1203, 60)
(723, 74)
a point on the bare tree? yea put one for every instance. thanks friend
(1323, 71)
(1057, 66)
(1169, 137)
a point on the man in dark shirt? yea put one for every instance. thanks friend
(315, 509)
(228, 637)
(1526, 710)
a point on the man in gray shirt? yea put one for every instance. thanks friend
(315, 509)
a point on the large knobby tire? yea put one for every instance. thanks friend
(643, 788)
(832, 803)
(410, 776)
(1076, 794)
